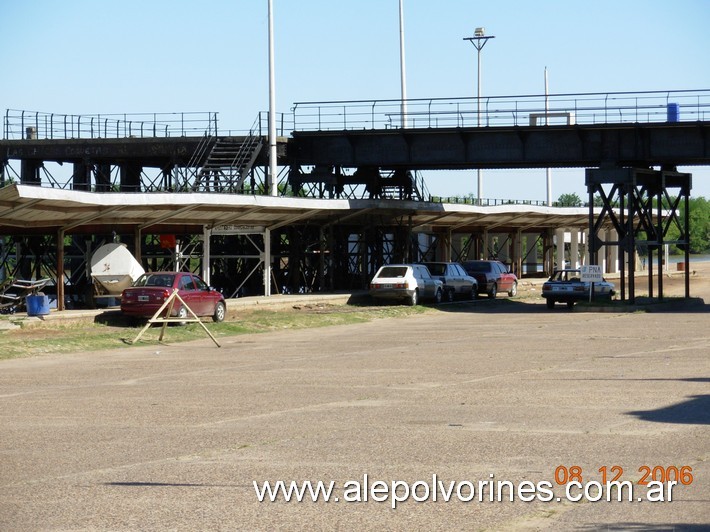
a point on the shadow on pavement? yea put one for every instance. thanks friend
(647, 527)
(694, 411)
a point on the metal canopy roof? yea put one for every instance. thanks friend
(33, 209)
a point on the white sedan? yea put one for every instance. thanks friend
(566, 286)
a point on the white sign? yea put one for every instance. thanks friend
(237, 229)
(591, 273)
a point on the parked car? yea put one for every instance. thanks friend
(492, 276)
(407, 282)
(566, 286)
(457, 283)
(151, 290)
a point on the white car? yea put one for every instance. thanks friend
(566, 286)
(407, 282)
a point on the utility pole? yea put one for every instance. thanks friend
(479, 40)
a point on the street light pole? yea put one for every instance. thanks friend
(403, 74)
(273, 155)
(479, 40)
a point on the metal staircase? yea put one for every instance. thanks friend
(227, 162)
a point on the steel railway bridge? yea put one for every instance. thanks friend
(182, 193)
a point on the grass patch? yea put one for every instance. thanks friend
(69, 338)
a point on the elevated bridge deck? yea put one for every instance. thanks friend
(332, 146)
(669, 128)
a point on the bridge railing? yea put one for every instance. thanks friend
(553, 109)
(18, 124)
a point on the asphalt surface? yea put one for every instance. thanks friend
(172, 437)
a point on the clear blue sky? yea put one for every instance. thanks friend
(88, 56)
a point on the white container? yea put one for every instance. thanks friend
(115, 268)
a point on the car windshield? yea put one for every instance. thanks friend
(479, 266)
(154, 279)
(393, 271)
(568, 275)
(436, 269)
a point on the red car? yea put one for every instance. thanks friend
(151, 290)
(492, 277)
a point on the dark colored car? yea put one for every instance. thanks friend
(457, 283)
(492, 277)
(151, 290)
(566, 286)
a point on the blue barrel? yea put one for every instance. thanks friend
(673, 112)
(37, 305)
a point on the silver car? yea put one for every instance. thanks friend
(406, 282)
(457, 283)
(566, 286)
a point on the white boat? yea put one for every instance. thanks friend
(115, 268)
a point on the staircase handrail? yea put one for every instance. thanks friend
(199, 156)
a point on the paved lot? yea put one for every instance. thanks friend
(172, 437)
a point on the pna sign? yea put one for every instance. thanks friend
(591, 273)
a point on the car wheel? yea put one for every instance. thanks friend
(414, 298)
(570, 305)
(450, 295)
(219, 312)
(182, 314)
(550, 303)
(514, 290)
(438, 296)
(474, 293)
(493, 292)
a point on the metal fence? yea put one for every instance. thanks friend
(495, 111)
(18, 124)
(501, 111)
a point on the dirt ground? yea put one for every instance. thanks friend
(173, 437)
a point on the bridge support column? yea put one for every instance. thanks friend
(574, 248)
(611, 253)
(81, 176)
(103, 177)
(560, 248)
(516, 248)
(131, 177)
(531, 258)
(29, 172)
(628, 206)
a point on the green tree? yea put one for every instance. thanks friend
(699, 222)
(699, 225)
(568, 200)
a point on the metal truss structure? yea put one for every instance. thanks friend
(638, 204)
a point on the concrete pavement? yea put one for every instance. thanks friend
(173, 437)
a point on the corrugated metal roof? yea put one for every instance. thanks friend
(24, 207)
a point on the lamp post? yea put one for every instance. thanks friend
(273, 156)
(479, 40)
(403, 74)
